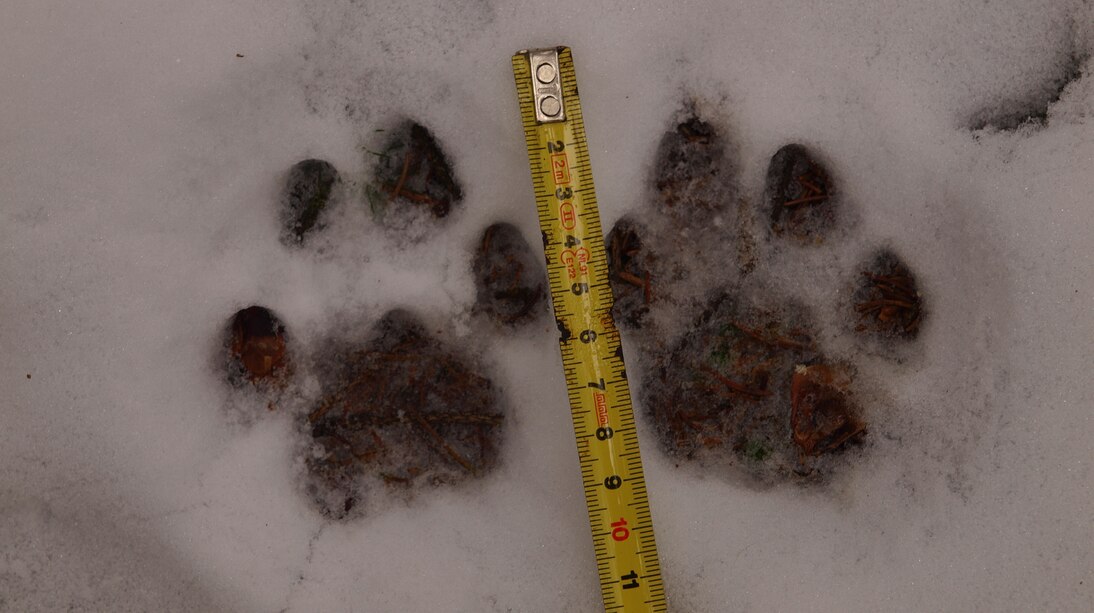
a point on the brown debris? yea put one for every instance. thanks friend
(823, 415)
(257, 351)
(510, 283)
(628, 272)
(799, 195)
(726, 384)
(734, 383)
(402, 409)
(689, 169)
(413, 172)
(887, 300)
(309, 189)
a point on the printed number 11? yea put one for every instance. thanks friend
(633, 576)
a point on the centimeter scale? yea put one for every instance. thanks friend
(592, 357)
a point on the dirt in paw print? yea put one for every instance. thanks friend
(413, 183)
(733, 370)
(310, 187)
(510, 283)
(798, 196)
(689, 169)
(256, 350)
(629, 265)
(397, 409)
(887, 299)
(719, 387)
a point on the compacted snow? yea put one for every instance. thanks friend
(143, 149)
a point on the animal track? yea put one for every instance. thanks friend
(308, 190)
(510, 288)
(798, 198)
(257, 349)
(397, 408)
(734, 374)
(414, 184)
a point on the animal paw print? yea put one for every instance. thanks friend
(397, 408)
(734, 369)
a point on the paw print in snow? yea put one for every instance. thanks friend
(733, 370)
(397, 408)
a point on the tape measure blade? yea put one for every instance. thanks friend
(598, 391)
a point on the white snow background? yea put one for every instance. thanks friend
(140, 166)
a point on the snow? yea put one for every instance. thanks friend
(140, 170)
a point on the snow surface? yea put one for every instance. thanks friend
(140, 165)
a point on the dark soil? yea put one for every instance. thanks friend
(887, 302)
(746, 385)
(689, 169)
(256, 348)
(629, 264)
(728, 385)
(412, 177)
(509, 278)
(308, 190)
(400, 409)
(798, 195)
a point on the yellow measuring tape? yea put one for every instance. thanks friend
(592, 358)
